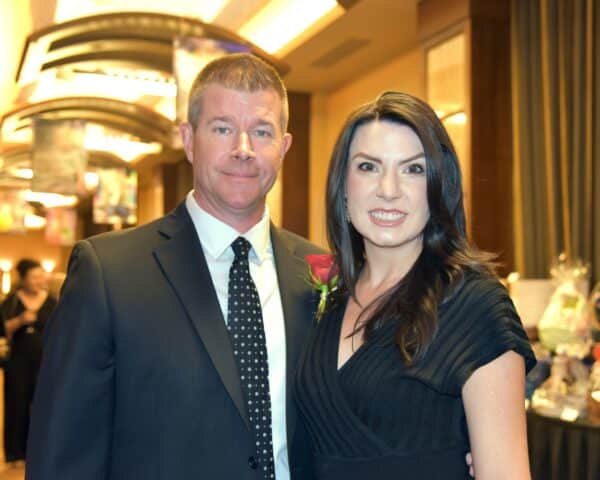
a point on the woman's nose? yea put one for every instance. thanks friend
(389, 186)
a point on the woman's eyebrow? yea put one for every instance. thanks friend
(377, 160)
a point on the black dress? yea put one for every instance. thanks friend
(20, 374)
(378, 419)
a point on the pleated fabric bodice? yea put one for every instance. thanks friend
(380, 419)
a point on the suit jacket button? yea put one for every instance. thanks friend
(253, 463)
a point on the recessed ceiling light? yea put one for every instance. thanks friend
(282, 21)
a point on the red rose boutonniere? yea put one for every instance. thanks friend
(323, 274)
(596, 352)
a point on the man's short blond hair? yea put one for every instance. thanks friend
(237, 71)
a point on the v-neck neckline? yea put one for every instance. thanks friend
(338, 337)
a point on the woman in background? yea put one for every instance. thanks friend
(421, 356)
(4, 348)
(25, 312)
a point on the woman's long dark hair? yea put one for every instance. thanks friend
(446, 255)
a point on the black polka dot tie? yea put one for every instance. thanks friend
(244, 319)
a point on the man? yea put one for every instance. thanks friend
(146, 370)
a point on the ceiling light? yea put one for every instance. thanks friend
(459, 118)
(121, 85)
(207, 10)
(25, 173)
(33, 61)
(6, 283)
(120, 145)
(34, 222)
(48, 265)
(50, 200)
(91, 180)
(5, 265)
(282, 21)
(142, 85)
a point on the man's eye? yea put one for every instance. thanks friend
(261, 132)
(222, 130)
(367, 166)
(415, 168)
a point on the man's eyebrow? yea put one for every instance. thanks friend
(262, 122)
(228, 119)
(220, 118)
(378, 160)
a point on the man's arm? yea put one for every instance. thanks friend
(71, 425)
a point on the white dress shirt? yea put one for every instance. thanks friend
(216, 238)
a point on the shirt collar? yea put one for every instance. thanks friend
(216, 236)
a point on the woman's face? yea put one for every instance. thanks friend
(35, 279)
(387, 186)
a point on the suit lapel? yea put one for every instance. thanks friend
(291, 271)
(183, 263)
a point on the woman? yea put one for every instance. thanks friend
(420, 356)
(25, 312)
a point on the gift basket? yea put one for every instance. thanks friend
(566, 381)
(564, 321)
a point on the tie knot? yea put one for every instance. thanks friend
(241, 247)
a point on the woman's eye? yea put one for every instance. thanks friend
(415, 168)
(367, 166)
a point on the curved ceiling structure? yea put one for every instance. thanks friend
(134, 119)
(140, 39)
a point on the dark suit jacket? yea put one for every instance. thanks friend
(138, 379)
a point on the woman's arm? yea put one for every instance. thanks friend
(494, 399)
(26, 317)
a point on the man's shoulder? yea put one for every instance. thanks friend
(301, 245)
(135, 243)
(124, 252)
(127, 236)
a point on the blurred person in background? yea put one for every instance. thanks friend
(24, 313)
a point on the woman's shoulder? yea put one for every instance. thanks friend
(479, 323)
(481, 307)
(477, 289)
(10, 296)
(10, 302)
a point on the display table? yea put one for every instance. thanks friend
(561, 450)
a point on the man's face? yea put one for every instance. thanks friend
(236, 152)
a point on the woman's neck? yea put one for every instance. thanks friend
(385, 267)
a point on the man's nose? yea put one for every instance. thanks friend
(243, 149)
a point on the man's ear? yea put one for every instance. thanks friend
(187, 137)
(286, 143)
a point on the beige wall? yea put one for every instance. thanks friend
(329, 111)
